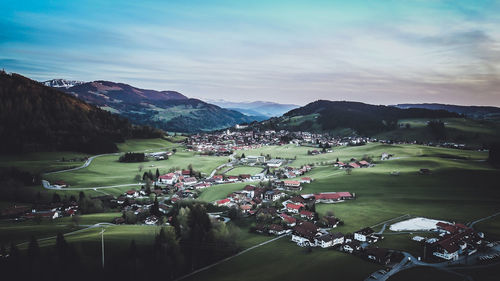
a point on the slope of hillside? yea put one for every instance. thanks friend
(477, 112)
(34, 117)
(167, 110)
(360, 118)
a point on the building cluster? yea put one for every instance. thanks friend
(454, 240)
(50, 211)
(224, 142)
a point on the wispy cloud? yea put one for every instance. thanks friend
(380, 52)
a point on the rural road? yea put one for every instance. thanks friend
(229, 258)
(47, 185)
(85, 165)
(471, 224)
(101, 224)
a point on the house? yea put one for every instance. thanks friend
(306, 214)
(218, 178)
(151, 220)
(327, 197)
(245, 177)
(250, 190)
(255, 159)
(274, 163)
(245, 208)
(363, 164)
(294, 208)
(259, 176)
(223, 202)
(305, 180)
(329, 240)
(352, 165)
(298, 199)
(351, 246)
(189, 181)
(290, 221)
(169, 179)
(233, 178)
(273, 195)
(186, 173)
(379, 255)
(132, 193)
(330, 221)
(305, 233)
(202, 185)
(277, 229)
(363, 234)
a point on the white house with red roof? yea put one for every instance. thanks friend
(169, 179)
(305, 180)
(290, 221)
(294, 208)
(223, 202)
(190, 181)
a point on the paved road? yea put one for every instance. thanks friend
(471, 224)
(229, 258)
(101, 224)
(85, 165)
(47, 185)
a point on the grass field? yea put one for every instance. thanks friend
(39, 162)
(106, 170)
(461, 188)
(18, 232)
(220, 191)
(461, 130)
(283, 260)
(244, 170)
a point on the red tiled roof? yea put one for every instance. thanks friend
(294, 206)
(327, 196)
(344, 194)
(307, 213)
(223, 201)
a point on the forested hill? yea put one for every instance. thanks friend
(166, 110)
(34, 117)
(362, 118)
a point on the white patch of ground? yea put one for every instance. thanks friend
(415, 224)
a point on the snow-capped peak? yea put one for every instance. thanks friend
(62, 83)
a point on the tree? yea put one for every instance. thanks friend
(494, 154)
(243, 155)
(337, 160)
(56, 198)
(33, 251)
(155, 209)
(81, 196)
(157, 173)
(75, 219)
(348, 171)
(61, 248)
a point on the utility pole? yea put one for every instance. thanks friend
(102, 246)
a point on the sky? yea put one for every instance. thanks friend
(379, 52)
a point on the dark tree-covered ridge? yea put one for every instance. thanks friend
(34, 117)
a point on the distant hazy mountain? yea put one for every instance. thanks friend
(167, 110)
(469, 111)
(62, 83)
(261, 108)
(34, 117)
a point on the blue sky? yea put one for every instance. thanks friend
(380, 52)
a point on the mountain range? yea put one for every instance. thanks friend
(34, 117)
(166, 110)
(262, 109)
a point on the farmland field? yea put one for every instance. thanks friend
(451, 192)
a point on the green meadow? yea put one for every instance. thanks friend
(462, 187)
